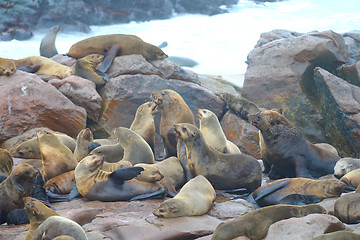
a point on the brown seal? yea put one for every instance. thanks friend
(346, 208)
(352, 178)
(56, 157)
(30, 148)
(173, 110)
(343, 235)
(195, 198)
(37, 213)
(112, 153)
(43, 66)
(285, 152)
(61, 184)
(7, 67)
(213, 133)
(13, 189)
(345, 165)
(96, 184)
(143, 123)
(47, 45)
(86, 68)
(150, 173)
(272, 193)
(6, 162)
(136, 149)
(56, 226)
(256, 223)
(241, 106)
(224, 171)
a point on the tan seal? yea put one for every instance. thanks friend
(345, 165)
(86, 68)
(173, 110)
(272, 193)
(6, 162)
(61, 184)
(83, 141)
(7, 67)
(346, 208)
(43, 66)
(56, 157)
(112, 153)
(47, 45)
(37, 213)
(13, 189)
(143, 123)
(256, 223)
(213, 133)
(195, 198)
(96, 184)
(352, 178)
(224, 171)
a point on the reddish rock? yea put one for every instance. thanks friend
(242, 133)
(230, 209)
(65, 60)
(27, 102)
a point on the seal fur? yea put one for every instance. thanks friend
(6, 162)
(7, 67)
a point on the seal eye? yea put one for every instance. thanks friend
(162, 94)
(184, 129)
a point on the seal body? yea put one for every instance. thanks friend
(345, 165)
(256, 223)
(343, 235)
(352, 178)
(224, 171)
(83, 141)
(240, 106)
(196, 197)
(173, 110)
(61, 184)
(47, 45)
(272, 193)
(13, 189)
(86, 68)
(112, 153)
(347, 208)
(6, 162)
(285, 151)
(7, 67)
(212, 131)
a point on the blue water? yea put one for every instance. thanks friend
(219, 43)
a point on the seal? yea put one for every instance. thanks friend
(56, 157)
(173, 110)
(13, 189)
(240, 106)
(195, 198)
(6, 162)
(111, 167)
(43, 66)
(86, 68)
(61, 184)
(343, 235)
(345, 165)
(83, 141)
(115, 45)
(7, 67)
(211, 129)
(112, 153)
(256, 223)
(150, 173)
(346, 208)
(352, 179)
(327, 147)
(224, 171)
(272, 193)
(143, 123)
(47, 45)
(37, 213)
(136, 149)
(285, 152)
(30, 148)
(96, 184)
(56, 226)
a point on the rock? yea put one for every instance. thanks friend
(218, 85)
(230, 209)
(81, 92)
(275, 35)
(64, 60)
(339, 105)
(27, 102)
(280, 75)
(306, 227)
(352, 42)
(241, 133)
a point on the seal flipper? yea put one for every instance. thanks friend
(30, 69)
(271, 189)
(124, 174)
(163, 44)
(2, 178)
(102, 74)
(154, 195)
(111, 54)
(54, 197)
(300, 199)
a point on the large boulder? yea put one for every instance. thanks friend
(27, 102)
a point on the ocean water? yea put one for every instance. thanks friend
(220, 43)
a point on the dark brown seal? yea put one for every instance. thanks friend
(241, 106)
(285, 152)
(224, 171)
(6, 162)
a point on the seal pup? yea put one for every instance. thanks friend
(211, 129)
(7, 67)
(143, 123)
(96, 184)
(43, 66)
(37, 213)
(55, 226)
(345, 165)
(56, 157)
(347, 207)
(256, 223)
(6, 162)
(173, 110)
(136, 149)
(273, 192)
(13, 189)
(47, 45)
(285, 152)
(86, 68)
(195, 198)
(240, 106)
(115, 45)
(224, 171)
